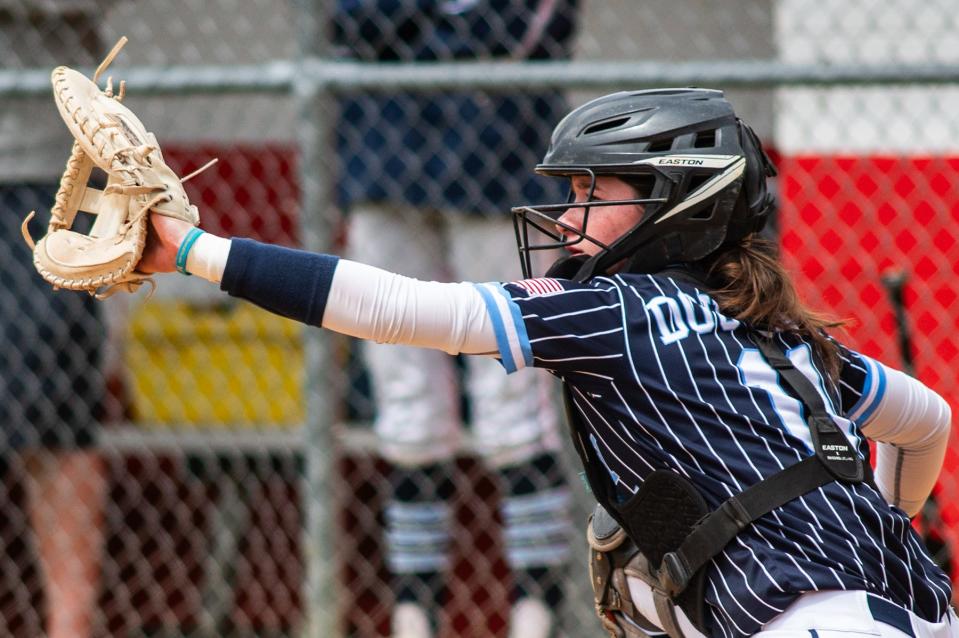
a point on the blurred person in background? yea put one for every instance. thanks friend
(427, 181)
(51, 391)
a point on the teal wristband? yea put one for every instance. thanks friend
(184, 249)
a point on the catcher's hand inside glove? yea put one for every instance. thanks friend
(107, 135)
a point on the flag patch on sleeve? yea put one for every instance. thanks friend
(539, 286)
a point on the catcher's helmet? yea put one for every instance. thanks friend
(700, 170)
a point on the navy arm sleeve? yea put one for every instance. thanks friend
(288, 282)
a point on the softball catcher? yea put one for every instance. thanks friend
(719, 425)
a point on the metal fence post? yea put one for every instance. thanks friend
(313, 99)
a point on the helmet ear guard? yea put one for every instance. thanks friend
(691, 228)
(755, 203)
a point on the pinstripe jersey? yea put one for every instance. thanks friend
(660, 379)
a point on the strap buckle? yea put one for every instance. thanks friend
(673, 574)
(823, 423)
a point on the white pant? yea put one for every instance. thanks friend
(417, 400)
(844, 614)
(825, 614)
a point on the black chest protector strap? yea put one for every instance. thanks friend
(832, 446)
(835, 459)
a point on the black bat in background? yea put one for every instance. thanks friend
(931, 525)
(895, 284)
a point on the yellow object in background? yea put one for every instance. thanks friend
(232, 365)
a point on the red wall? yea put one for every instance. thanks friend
(847, 220)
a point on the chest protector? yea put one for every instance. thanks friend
(671, 534)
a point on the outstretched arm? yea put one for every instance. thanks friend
(323, 290)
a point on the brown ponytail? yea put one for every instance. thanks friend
(750, 284)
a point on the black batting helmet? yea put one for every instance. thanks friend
(700, 170)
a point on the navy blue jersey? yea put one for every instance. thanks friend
(660, 379)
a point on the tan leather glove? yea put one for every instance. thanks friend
(107, 135)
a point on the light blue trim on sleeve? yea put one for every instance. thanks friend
(866, 388)
(519, 325)
(873, 391)
(880, 392)
(502, 341)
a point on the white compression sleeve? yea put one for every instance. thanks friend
(911, 426)
(207, 257)
(371, 303)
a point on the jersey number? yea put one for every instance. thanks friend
(757, 373)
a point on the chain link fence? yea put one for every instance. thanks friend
(192, 466)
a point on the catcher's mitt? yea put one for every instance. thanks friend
(107, 135)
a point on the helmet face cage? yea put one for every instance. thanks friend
(694, 150)
(544, 218)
